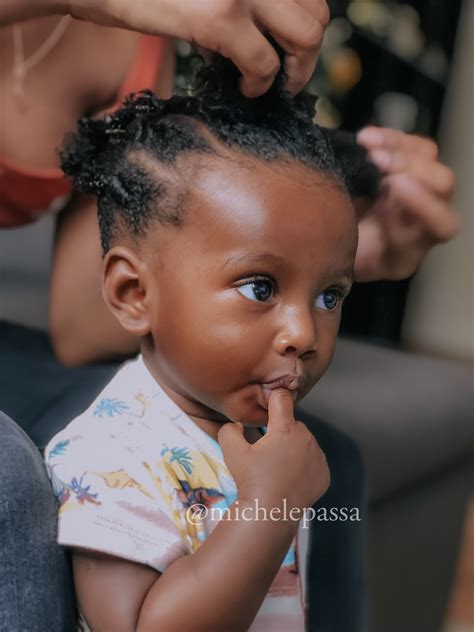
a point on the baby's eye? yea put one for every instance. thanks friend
(328, 299)
(258, 290)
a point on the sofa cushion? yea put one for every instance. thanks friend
(411, 414)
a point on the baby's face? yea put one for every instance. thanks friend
(249, 288)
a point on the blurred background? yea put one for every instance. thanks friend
(407, 65)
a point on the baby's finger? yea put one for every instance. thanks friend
(231, 437)
(433, 175)
(392, 139)
(280, 410)
(436, 217)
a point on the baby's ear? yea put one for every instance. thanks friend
(124, 288)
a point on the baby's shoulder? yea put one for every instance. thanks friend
(118, 424)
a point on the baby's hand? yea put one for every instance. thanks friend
(286, 463)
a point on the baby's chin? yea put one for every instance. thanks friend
(255, 412)
(249, 407)
(248, 414)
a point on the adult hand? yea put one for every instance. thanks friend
(413, 212)
(233, 28)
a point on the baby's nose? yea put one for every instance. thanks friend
(298, 336)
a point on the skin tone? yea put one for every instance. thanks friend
(60, 90)
(232, 27)
(256, 284)
(75, 80)
(60, 93)
(84, 76)
(213, 329)
(413, 215)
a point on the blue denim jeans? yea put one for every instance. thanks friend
(35, 577)
(36, 591)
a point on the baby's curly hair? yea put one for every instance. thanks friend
(131, 159)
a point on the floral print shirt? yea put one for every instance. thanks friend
(132, 475)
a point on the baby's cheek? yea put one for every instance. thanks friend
(326, 347)
(243, 406)
(207, 367)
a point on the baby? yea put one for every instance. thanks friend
(229, 239)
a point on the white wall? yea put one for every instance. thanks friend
(439, 316)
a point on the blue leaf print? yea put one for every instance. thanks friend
(82, 493)
(182, 456)
(110, 407)
(59, 448)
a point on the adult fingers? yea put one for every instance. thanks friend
(392, 139)
(253, 55)
(299, 69)
(290, 21)
(433, 175)
(438, 221)
(280, 410)
(299, 28)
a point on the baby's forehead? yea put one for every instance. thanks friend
(263, 205)
(253, 187)
(230, 170)
(231, 164)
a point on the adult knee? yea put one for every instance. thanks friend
(35, 572)
(26, 495)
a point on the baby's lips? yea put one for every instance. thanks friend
(290, 381)
(266, 391)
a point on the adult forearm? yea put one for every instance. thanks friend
(12, 11)
(81, 327)
(222, 585)
(157, 17)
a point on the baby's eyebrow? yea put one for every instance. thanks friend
(254, 258)
(347, 274)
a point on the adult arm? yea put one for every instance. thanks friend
(234, 28)
(81, 327)
(12, 11)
